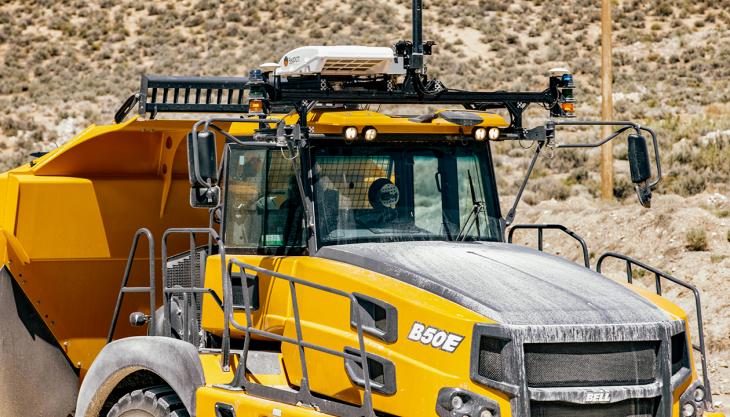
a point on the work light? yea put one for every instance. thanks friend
(480, 134)
(493, 133)
(370, 134)
(350, 133)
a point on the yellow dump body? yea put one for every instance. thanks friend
(68, 218)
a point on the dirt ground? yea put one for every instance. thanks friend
(657, 236)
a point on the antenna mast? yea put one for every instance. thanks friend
(417, 21)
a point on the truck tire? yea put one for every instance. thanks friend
(160, 401)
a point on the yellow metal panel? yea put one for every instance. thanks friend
(246, 405)
(3, 199)
(669, 307)
(10, 203)
(78, 234)
(60, 218)
(334, 121)
(214, 375)
(421, 370)
(10, 242)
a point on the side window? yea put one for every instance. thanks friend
(244, 189)
(263, 207)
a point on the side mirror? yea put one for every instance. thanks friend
(640, 168)
(203, 170)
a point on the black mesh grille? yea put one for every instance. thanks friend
(630, 408)
(352, 176)
(179, 275)
(680, 356)
(178, 270)
(490, 358)
(591, 364)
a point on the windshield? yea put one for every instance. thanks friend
(371, 193)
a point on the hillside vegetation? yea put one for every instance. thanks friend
(69, 63)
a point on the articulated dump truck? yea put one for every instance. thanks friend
(293, 252)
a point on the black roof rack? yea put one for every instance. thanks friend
(160, 94)
(164, 94)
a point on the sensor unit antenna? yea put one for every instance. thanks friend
(416, 61)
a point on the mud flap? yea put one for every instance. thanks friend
(36, 377)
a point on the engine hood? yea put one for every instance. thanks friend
(507, 283)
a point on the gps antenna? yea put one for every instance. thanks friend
(417, 56)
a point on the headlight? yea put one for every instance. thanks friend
(688, 410)
(699, 394)
(692, 401)
(458, 402)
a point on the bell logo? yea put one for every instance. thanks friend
(598, 397)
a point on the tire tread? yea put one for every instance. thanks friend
(159, 401)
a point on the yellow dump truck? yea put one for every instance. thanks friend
(301, 254)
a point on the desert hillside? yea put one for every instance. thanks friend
(69, 63)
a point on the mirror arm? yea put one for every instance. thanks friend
(550, 126)
(513, 211)
(612, 136)
(625, 126)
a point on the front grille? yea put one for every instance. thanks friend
(645, 407)
(591, 364)
(490, 358)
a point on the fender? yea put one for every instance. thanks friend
(175, 361)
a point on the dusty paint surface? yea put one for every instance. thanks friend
(507, 283)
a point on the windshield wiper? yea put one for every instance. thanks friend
(477, 208)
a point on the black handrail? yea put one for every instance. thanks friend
(541, 227)
(658, 275)
(304, 395)
(125, 279)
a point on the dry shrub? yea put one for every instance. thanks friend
(622, 188)
(550, 188)
(696, 240)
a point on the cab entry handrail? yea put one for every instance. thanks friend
(125, 279)
(658, 275)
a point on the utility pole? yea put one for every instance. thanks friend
(606, 101)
